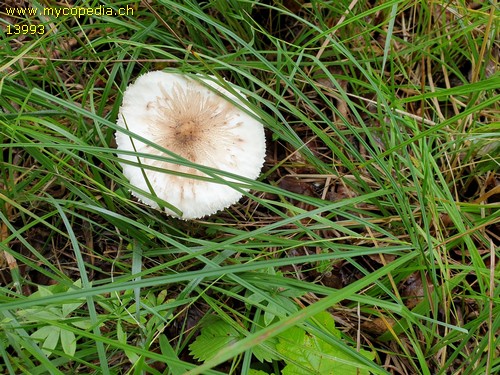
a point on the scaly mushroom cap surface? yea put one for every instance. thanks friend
(199, 124)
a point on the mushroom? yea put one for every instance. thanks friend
(207, 126)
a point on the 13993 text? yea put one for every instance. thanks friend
(25, 29)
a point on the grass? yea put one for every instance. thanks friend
(378, 202)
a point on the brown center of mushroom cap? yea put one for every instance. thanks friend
(187, 131)
(190, 122)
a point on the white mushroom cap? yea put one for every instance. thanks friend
(187, 118)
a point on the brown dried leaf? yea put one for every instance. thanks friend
(377, 326)
(412, 290)
(293, 184)
(340, 191)
(382, 258)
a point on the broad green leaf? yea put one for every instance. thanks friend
(161, 297)
(68, 342)
(122, 337)
(263, 353)
(268, 317)
(326, 320)
(84, 324)
(257, 372)
(215, 335)
(120, 334)
(50, 337)
(42, 332)
(35, 315)
(68, 308)
(306, 354)
(43, 291)
(278, 309)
